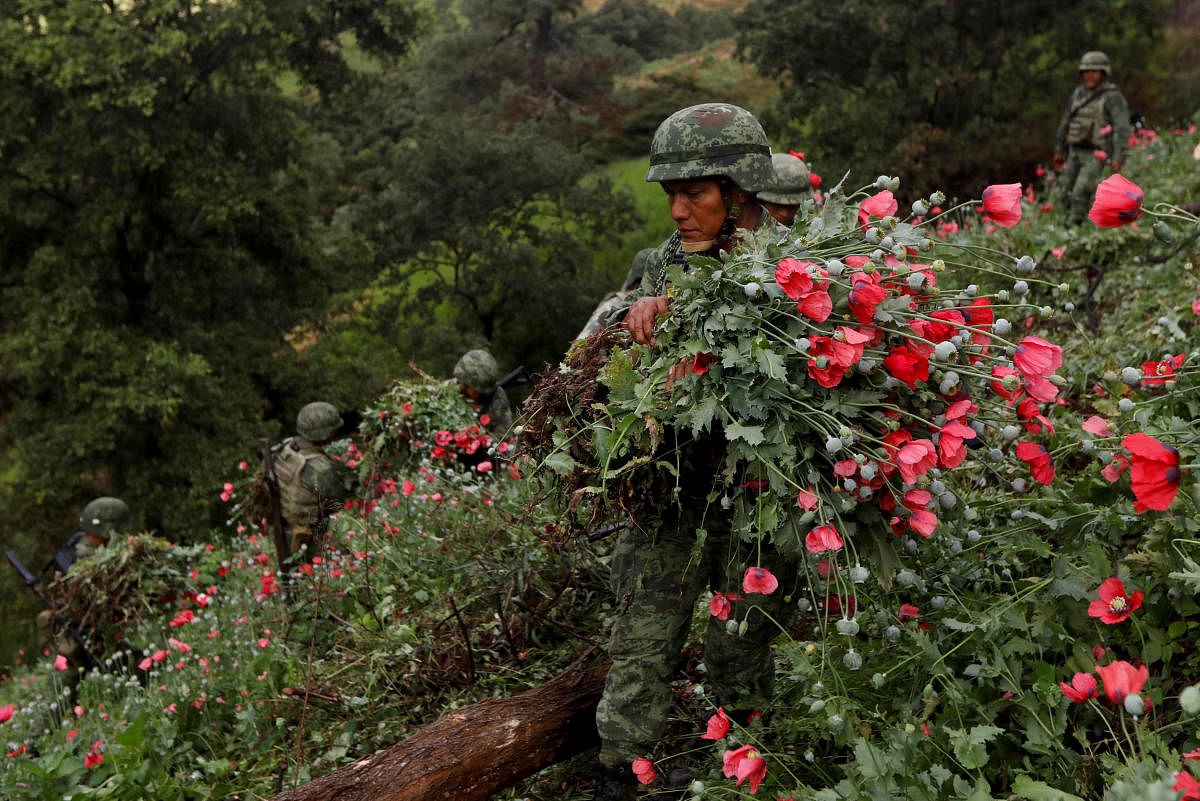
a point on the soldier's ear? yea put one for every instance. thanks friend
(739, 195)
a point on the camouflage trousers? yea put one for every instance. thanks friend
(1078, 183)
(657, 577)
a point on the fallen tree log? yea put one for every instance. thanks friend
(473, 752)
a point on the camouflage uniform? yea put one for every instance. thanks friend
(310, 484)
(792, 186)
(478, 371)
(660, 569)
(1079, 136)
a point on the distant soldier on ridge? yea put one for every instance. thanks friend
(311, 486)
(1094, 131)
(478, 379)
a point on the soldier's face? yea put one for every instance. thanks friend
(786, 214)
(1091, 78)
(696, 207)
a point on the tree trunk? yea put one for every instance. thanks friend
(473, 752)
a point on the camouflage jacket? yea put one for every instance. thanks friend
(309, 482)
(1087, 115)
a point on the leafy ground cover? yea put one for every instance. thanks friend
(1036, 640)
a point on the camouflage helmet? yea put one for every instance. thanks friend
(792, 183)
(477, 369)
(1095, 60)
(709, 141)
(102, 516)
(317, 421)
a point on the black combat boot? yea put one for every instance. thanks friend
(615, 784)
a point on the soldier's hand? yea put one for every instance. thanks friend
(678, 371)
(641, 318)
(1117, 165)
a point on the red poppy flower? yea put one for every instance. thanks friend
(1154, 474)
(1081, 688)
(1122, 679)
(904, 365)
(793, 277)
(759, 579)
(745, 763)
(822, 539)
(1185, 783)
(1114, 605)
(908, 612)
(1157, 373)
(718, 726)
(1118, 202)
(815, 180)
(951, 450)
(1041, 466)
(1097, 425)
(865, 294)
(701, 362)
(719, 607)
(830, 357)
(92, 759)
(1037, 358)
(644, 770)
(816, 305)
(923, 522)
(1002, 202)
(841, 605)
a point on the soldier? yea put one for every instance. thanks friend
(1094, 131)
(791, 187)
(310, 484)
(477, 376)
(710, 159)
(100, 520)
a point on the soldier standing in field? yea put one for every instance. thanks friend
(1094, 131)
(311, 486)
(477, 375)
(791, 187)
(710, 160)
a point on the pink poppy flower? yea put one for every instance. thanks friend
(915, 459)
(1101, 155)
(1114, 605)
(60, 662)
(1002, 202)
(1097, 425)
(759, 579)
(644, 770)
(1037, 358)
(719, 607)
(951, 450)
(923, 522)
(1122, 679)
(1118, 202)
(807, 500)
(1081, 688)
(718, 726)
(822, 539)
(6, 712)
(881, 204)
(745, 763)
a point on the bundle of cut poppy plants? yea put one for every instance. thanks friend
(843, 378)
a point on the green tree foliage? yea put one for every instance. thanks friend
(160, 234)
(948, 94)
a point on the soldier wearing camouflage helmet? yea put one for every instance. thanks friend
(100, 519)
(477, 375)
(711, 159)
(1094, 131)
(311, 486)
(791, 187)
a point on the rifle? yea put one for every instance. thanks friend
(32, 583)
(517, 376)
(601, 533)
(276, 513)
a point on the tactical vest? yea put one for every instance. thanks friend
(1087, 118)
(297, 504)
